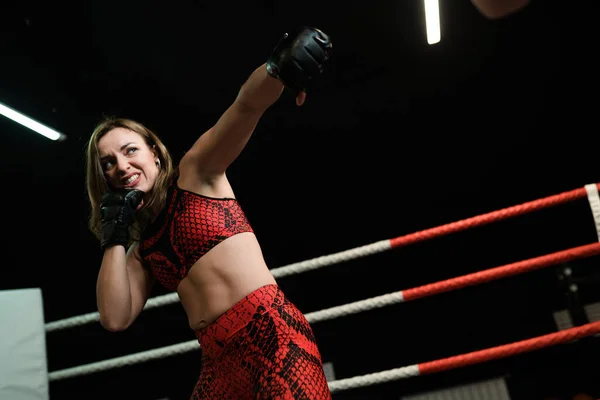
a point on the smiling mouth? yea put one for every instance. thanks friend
(132, 180)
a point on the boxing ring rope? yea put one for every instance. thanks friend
(460, 282)
(431, 289)
(463, 360)
(591, 191)
(360, 306)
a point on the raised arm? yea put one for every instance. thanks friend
(295, 62)
(216, 149)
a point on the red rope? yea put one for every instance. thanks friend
(488, 275)
(488, 218)
(509, 350)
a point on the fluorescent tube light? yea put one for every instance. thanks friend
(432, 21)
(30, 123)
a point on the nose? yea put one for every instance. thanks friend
(122, 165)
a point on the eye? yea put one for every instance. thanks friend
(131, 150)
(106, 165)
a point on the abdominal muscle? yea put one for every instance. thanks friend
(222, 277)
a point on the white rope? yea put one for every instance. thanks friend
(72, 321)
(374, 378)
(343, 256)
(594, 200)
(124, 361)
(356, 307)
(291, 269)
(334, 386)
(77, 320)
(323, 315)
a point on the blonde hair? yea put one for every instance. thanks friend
(97, 185)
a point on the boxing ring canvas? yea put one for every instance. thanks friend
(23, 366)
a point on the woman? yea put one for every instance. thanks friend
(183, 227)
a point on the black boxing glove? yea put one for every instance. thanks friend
(298, 59)
(117, 210)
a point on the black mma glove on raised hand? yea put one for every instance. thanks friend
(298, 58)
(116, 212)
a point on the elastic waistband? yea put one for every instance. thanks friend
(258, 302)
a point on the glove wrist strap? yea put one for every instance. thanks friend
(114, 233)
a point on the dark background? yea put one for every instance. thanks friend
(398, 136)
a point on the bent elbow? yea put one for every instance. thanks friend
(112, 325)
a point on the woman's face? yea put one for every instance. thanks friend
(127, 161)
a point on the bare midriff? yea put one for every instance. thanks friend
(221, 278)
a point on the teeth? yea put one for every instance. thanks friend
(131, 179)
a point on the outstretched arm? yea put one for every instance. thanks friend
(495, 9)
(296, 61)
(217, 148)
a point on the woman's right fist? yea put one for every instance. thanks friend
(117, 211)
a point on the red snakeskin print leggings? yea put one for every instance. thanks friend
(261, 348)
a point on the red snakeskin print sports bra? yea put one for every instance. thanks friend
(189, 226)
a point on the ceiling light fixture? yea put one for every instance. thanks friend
(432, 21)
(30, 123)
